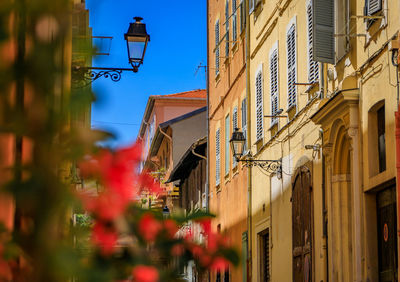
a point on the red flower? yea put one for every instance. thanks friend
(143, 273)
(219, 263)
(197, 251)
(206, 225)
(149, 227)
(171, 227)
(104, 237)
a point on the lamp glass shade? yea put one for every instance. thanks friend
(237, 143)
(136, 49)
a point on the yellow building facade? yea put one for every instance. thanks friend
(330, 211)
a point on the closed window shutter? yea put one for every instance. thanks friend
(217, 157)
(244, 120)
(234, 20)
(227, 138)
(259, 106)
(313, 67)
(274, 84)
(227, 28)
(323, 32)
(373, 6)
(234, 126)
(217, 47)
(291, 65)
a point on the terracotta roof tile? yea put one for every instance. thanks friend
(199, 93)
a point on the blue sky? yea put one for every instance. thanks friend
(177, 46)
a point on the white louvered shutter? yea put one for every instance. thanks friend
(291, 65)
(313, 66)
(217, 47)
(227, 145)
(227, 28)
(273, 60)
(217, 156)
(244, 120)
(373, 6)
(259, 106)
(234, 126)
(234, 21)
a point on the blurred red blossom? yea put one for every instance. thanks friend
(171, 227)
(104, 237)
(219, 263)
(177, 250)
(149, 227)
(144, 273)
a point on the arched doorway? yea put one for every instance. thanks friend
(302, 225)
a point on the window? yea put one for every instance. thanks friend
(291, 65)
(234, 21)
(227, 28)
(259, 105)
(217, 47)
(263, 242)
(244, 121)
(313, 67)
(372, 7)
(242, 15)
(273, 65)
(380, 114)
(217, 157)
(234, 126)
(227, 138)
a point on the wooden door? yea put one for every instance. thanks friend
(302, 225)
(387, 239)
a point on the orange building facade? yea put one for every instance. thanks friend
(228, 191)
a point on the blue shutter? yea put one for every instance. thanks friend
(234, 21)
(217, 157)
(227, 28)
(227, 138)
(217, 48)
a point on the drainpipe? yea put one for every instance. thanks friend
(249, 169)
(166, 135)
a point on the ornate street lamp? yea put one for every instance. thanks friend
(237, 144)
(238, 141)
(136, 40)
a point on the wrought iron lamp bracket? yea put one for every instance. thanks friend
(83, 76)
(270, 166)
